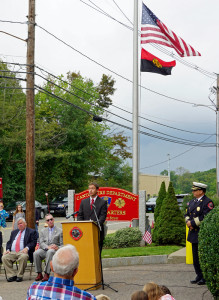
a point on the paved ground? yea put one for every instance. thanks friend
(128, 280)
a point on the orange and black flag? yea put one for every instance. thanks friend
(153, 64)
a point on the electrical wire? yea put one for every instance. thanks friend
(58, 78)
(108, 69)
(13, 22)
(51, 82)
(160, 48)
(198, 144)
(180, 154)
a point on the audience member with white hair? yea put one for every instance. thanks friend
(19, 248)
(64, 264)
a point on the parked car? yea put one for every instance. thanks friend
(150, 204)
(10, 208)
(180, 198)
(42, 208)
(59, 205)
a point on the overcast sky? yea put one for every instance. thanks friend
(110, 43)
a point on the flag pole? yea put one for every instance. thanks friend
(135, 142)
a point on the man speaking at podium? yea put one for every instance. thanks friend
(94, 208)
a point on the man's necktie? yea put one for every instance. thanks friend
(17, 244)
(50, 235)
(92, 202)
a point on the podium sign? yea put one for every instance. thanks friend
(84, 236)
(122, 205)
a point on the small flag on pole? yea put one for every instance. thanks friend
(154, 31)
(147, 237)
(152, 225)
(151, 63)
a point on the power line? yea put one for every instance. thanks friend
(160, 48)
(100, 10)
(13, 22)
(117, 74)
(111, 112)
(58, 78)
(180, 154)
(127, 127)
(51, 82)
(122, 12)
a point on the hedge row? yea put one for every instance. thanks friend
(123, 238)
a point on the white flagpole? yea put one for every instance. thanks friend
(135, 140)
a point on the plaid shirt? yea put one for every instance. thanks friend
(57, 288)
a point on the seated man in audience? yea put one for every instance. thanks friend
(64, 264)
(50, 241)
(19, 248)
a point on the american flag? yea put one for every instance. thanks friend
(154, 31)
(147, 237)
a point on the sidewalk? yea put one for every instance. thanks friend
(129, 278)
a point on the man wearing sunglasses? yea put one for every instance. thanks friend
(51, 239)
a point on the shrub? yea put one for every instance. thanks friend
(170, 225)
(215, 200)
(208, 250)
(123, 238)
(161, 196)
(108, 240)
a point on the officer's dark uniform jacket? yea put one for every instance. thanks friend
(196, 212)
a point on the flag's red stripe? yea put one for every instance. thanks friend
(150, 28)
(156, 42)
(154, 35)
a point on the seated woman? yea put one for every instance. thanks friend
(153, 291)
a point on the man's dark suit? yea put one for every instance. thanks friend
(86, 213)
(196, 212)
(30, 241)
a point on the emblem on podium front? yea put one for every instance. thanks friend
(76, 233)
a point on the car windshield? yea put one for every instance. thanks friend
(60, 199)
(152, 200)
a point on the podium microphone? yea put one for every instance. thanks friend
(72, 215)
(94, 207)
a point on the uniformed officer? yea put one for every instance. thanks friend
(196, 211)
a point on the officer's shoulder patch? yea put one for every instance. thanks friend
(210, 205)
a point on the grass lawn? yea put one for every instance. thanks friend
(140, 251)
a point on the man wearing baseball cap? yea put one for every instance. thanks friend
(196, 211)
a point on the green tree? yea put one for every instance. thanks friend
(105, 88)
(208, 251)
(116, 174)
(161, 196)
(170, 226)
(164, 173)
(69, 144)
(12, 135)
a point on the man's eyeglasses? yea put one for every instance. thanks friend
(49, 220)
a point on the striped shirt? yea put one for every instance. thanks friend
(57, 288)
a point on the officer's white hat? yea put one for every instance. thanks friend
(198, 186)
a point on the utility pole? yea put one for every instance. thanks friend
(217, 135)
(30, 120)
(168, 169)
(135, 147)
